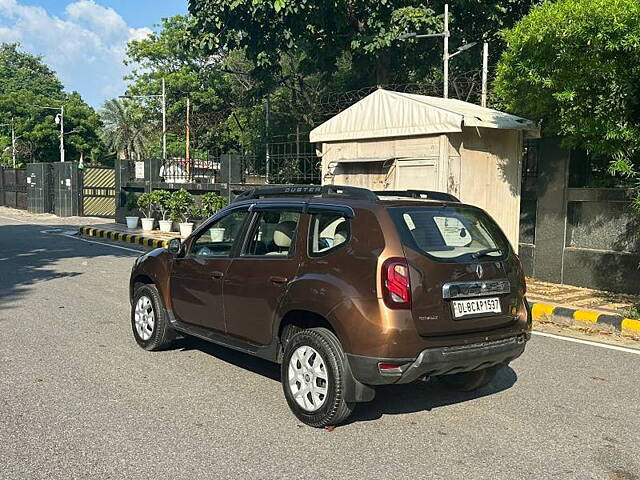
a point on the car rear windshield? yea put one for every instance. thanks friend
(450, 234)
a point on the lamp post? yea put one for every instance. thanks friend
(13, 140)
(162, 96)
(60, 121)
(446, 55)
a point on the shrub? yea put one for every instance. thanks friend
(180, 205)
(161, 200)
(212, 203)
(132, 202)
(145, 203)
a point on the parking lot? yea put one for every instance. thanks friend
(79, 398)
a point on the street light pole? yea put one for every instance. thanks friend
(13, 143)
(485, 73)
(62, 134)
(445, 56)
(164, 121)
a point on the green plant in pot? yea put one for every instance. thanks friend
(132, 207)
(145, 204)
(161, 202)
(181, 205)
(212, 203)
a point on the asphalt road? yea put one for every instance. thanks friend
(79, 399)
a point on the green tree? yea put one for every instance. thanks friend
(21, 71)
(574, 65)
(310, 48)
(188, 74)
(26, 86)
(124, 130)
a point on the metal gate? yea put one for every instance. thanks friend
(99, 192)
(40, 188)
(66, 189)
(13, 187)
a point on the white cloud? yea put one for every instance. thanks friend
(86, 48)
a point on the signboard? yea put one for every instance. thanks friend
(140, 170)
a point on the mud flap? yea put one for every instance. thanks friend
(355, 391)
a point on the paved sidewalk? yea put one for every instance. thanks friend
(581, 298)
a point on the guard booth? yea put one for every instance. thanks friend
(40, 191)
(399, 141)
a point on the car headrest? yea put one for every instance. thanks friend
(342, 233)
(283, 234)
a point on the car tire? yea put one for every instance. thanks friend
(469, 381)
(313, 378)
(149, 320)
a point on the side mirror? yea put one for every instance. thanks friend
(175, 246)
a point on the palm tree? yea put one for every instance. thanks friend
(124, 131)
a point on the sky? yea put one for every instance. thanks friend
(84, 41)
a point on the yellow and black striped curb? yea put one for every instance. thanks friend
(123, 237)
(562, 315)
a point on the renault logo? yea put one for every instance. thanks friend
(479, 271)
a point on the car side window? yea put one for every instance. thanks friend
(329, 231)
(217, 240)
(273, 234)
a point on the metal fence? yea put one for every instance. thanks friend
(13, 187)
(293, 162)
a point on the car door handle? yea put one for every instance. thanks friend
(278, 279)
(217, 275)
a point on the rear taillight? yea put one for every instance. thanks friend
(396, 285)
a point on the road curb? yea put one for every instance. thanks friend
(136, 239)
(566, 316)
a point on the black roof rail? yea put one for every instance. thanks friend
(425, 194)
(324, 191)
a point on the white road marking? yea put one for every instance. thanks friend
(140, 252)
(587, 342)
(54, 231)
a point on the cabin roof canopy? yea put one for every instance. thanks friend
(385, 113)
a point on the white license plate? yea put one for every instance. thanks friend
(476, 306)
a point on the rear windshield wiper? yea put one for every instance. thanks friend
(486, 251)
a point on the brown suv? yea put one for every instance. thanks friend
(346, 288)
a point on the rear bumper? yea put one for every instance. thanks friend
(439, 361)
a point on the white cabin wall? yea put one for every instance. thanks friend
(490, 175)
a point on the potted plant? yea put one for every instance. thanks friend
(181, 205)
(212, 203)
(161, 199)
(132, 206)
(145, 203)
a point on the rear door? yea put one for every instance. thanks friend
(259, 277)
(463, 276)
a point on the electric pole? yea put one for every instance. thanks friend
(62, 134)
(188, 165)
(446, 51)
(164, 121)
(485, 73)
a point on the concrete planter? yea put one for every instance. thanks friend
(165, 226)
(132, 222)
(186, 229)
(147, 224)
